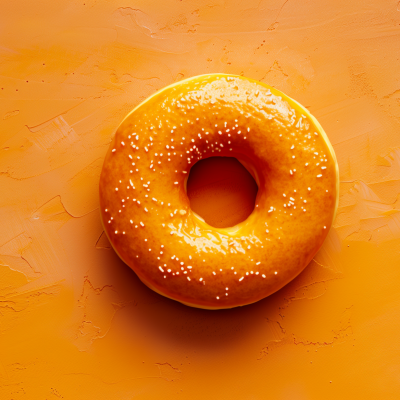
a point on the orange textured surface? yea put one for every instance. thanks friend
(76, 323)
(221, 191)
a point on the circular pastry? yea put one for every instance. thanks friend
(146, 212)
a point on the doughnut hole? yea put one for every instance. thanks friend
(221, 191)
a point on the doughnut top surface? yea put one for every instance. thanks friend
(146, 212)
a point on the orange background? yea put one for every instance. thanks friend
(75, 322)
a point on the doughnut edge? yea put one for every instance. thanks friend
(154, 289)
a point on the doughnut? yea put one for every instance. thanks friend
(146, 212)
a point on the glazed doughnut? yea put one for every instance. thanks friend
(146, 212)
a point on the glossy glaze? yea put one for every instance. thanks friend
(146, 212)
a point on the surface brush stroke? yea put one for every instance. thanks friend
(75, 322)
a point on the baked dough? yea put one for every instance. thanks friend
(146, 212)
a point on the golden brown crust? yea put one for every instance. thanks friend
(145, 209)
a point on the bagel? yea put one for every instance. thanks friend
(146, 212)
